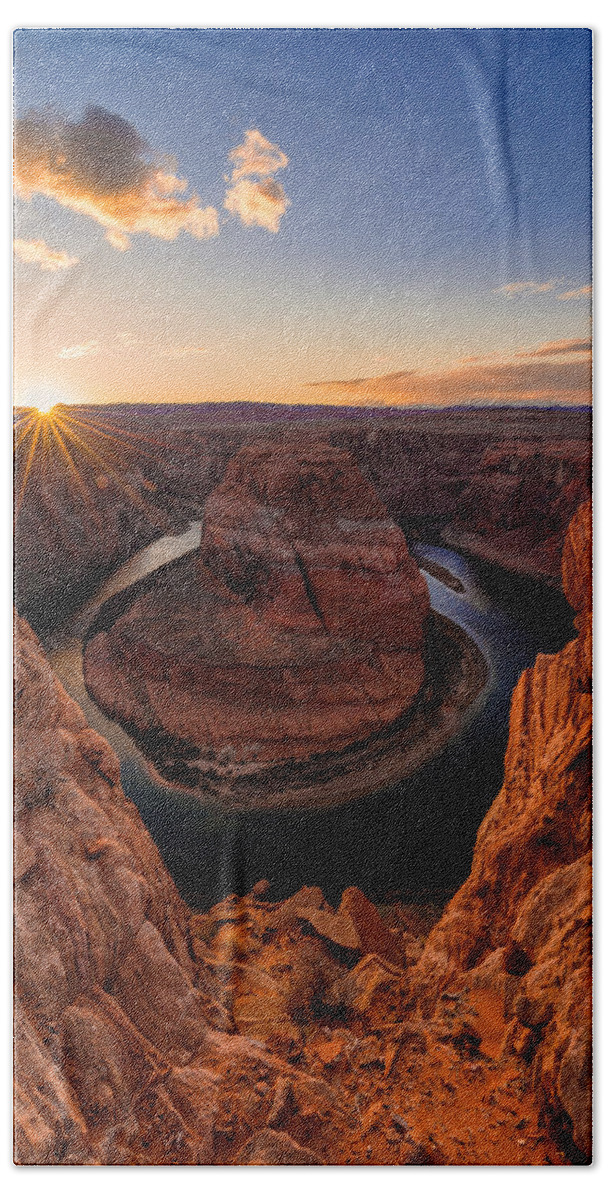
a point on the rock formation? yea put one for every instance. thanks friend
(289, 1033)
(299, 631)
(142, 471)
(96, 491)
(520, 927)
(107, 1013)
(517, 504)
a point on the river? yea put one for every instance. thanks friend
(412, 840)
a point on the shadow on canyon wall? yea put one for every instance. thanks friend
(317, 1027)
(295, 1032)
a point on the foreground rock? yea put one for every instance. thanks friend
(108, 1015)
(298, 632)
(519, 930)
(293, 1033)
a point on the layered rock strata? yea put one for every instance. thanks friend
(289, 1033)
(141, 472)
(298, 632)
(516, 505)
(520, 927)
(107, 1011)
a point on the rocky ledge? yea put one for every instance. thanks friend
(291, 1033)
(297, 631)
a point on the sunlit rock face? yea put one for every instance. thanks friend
(520, 927)
(286, 1032)
(106, 1001)
(299, 630)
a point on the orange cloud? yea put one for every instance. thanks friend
(555, 349)
(540, 379)
(256, 156)
(254, 195)
(102, 168)
(40, 255)
(526, 285)
(260, 203)
(576, 292)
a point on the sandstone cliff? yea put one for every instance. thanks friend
(290, 1033)
(300, 630)
(94, 493)
(107, 1013)
(516, 505)
(520, 926)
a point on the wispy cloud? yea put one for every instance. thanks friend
(557, 349)
(40, 255)
(576, 293)
(536, 376)
(254, 194)
(83, 350)
(103, 168)
(532, 286)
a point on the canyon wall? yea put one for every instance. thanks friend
(520, 926)
(288, 1033)
(80, 514)
(107, 1013)
(501, 484)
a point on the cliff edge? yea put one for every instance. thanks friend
(520, 927)
(289, 1033)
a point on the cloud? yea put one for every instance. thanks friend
(257, 203)
(254, 194)
(256, 156)
(41, 255)
(83, 350)
(576, 293)
(535, 377)
(556, 349)
(103, 168)
(526, 285)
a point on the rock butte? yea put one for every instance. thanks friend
(300, 630)
(286, 1033)
(502, 484)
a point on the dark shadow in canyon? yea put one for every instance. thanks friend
(413, 841)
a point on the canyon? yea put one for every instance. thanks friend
(503, 483)
(300, 630)
(294, 1032)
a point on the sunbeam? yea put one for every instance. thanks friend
(48, 432)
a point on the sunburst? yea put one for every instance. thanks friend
(50, 437)
(46, 405)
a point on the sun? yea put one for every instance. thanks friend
(45, 405)
(51, 431)
(44, 397)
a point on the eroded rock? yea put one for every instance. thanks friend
(299, 631)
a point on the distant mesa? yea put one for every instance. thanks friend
(295, 632)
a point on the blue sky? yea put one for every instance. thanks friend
(427, 170)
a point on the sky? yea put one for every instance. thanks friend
(397, 217)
